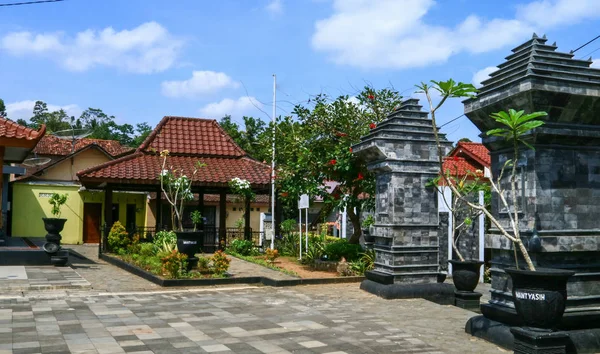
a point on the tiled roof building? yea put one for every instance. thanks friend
(188, 141)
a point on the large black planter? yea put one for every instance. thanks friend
(188, 242)
(367, 235)
(53, 228)
(540, 296)
(465, 274)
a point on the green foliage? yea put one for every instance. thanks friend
(162, 237)
(101, 125)
(288, 245)
(369, 220)
(2, 109)
(118, 238)
(196, 217)
(516, 125)
(57, 201)
(314, 252)
(288, 226)
(243, 247)
(146, 250)
(368, 257)
(317, 147)
(254, 138)
(174, 264)
(242, 189)
(220, 262)
(342, 249)
(203, 263)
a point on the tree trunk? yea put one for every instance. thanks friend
(355, 219)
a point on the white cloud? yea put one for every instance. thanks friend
(245, 105)
(395, 34)
(24, 109)
(595, 63)
(201, 83)
(145, 49)
(482, 75)
(275, 7)
(545, 13)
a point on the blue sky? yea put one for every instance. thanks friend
(142, 59)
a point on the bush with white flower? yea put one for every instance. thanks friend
(177, 188)
(241, 188)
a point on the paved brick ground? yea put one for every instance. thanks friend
(26, 278)
(307, 319)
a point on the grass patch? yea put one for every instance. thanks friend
(261, 261)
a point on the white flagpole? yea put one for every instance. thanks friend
(273, 164)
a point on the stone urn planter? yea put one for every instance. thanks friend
(53, 227)
(465, 274)
(540, 296)
(189, 242)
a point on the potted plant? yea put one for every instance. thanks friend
(56, 224)
(177, 188)
(366, 229)
(539, 294)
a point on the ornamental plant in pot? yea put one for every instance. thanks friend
(539, 295)
(55, 225)
(366, 226)
(177, 188)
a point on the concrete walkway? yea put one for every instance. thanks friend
(33, 278)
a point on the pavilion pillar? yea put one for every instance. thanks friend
(276, 216)
(108, 221)
(247, 230)
(222, 219)
(158, 219)
(1, 189)
(201, 206)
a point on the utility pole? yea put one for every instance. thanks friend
(273, 119)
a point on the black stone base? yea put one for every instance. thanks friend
(578, 341)
(532, 342)
(440, 293)
(570, 320)
(468, 300)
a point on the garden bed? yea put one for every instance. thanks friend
(116, 261)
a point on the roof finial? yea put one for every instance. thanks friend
(554, 44)
(534, 35)
(544, 37)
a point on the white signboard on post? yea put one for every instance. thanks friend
(303, 202)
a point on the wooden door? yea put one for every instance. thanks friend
(92, 216)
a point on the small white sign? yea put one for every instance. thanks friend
(303, 202)
(45, 195)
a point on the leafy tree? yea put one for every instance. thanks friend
(465, 140)
(255, 138)
(2, 109)
(319, 149)
(142, 130)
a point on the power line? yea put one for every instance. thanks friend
(590, 53)
(590, 41)
(29, 2)
(452, 120)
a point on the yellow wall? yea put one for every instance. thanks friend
(28, 208)
(233, 216)
(63, 171)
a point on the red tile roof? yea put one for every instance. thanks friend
(10, 129)
(476, 150)
(231, 198)
(140, 168)
(188, 140)
(52, 145)
(191, 136)
(459, 166)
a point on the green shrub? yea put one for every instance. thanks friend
(163, 237)
(313, 253)
(243, 247)
(146, 250)
(341, 248)
(118, 238)
(203, 263)
(57, 201)
(288, 245)
(220, 262)
(288, 226)
(174, 264)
